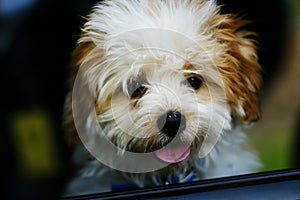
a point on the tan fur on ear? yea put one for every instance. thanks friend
(241, 70)
(82, 50)
(68, 123)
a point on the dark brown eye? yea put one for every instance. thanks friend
(195, 82)
(136, 89)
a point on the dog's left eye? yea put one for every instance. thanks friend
(136, 89)
(195, 82)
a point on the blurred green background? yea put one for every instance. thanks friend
(275, 136)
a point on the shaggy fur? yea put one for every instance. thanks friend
(156, 46)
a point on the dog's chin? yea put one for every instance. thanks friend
(182, 167)
(171, 151)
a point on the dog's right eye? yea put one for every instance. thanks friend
(136, 89)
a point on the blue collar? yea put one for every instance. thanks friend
(163, 181)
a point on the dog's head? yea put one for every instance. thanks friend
(167, 77)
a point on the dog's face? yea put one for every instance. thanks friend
(172, 88)
(155, 103)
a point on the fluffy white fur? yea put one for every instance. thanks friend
(160, 43)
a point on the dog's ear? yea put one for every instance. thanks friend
(78, 56)
(241, 70)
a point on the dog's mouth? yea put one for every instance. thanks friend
(170, 124)
(173, 153)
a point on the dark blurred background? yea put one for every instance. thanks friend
(36, 39)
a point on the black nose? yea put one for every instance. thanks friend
(171, 123)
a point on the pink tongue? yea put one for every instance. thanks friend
(173, 154)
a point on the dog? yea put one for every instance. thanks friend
(161, 91)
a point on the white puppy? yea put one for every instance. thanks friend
(161, 89)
